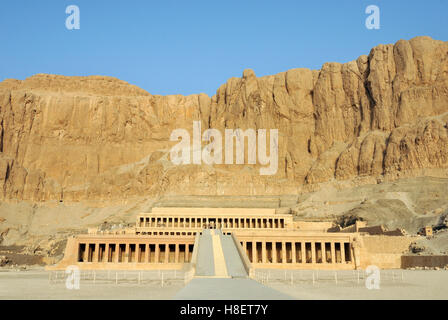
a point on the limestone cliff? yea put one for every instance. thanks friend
(382, 116)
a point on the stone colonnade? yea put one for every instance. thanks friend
(211, 222)
(298, 251)
(134, 252)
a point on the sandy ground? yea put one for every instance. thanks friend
(35, 284)
(228, 289)
(415, 284)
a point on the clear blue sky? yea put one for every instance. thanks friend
(185, 47)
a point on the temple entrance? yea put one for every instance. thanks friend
(212, 224)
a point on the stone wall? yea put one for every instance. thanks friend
(424, 261)
(383, 251)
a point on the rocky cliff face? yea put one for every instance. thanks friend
(382, 116)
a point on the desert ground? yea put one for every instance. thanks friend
(36, 284)
(394, 284)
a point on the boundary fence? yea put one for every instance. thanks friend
(160, 278)
(316, 277)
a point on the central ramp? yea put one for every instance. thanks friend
(220, 273)
(211, 261)
(235, 267)
(205, 266)
(218, 256)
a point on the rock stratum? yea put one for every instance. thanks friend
(381, 117)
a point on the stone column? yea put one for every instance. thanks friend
(284, 260)
(254, 252)
(263, 252)
(157, 254)
(187, 253)
(293, 252)
(324, 253)
(137, 252)
(333, 253)
(95, 253)
(313, 252)
(303, 251)
(176, 254)
(147, 252)
(274, 252)
(117, 252)
(342, 252)
(107, 252)
(126, 253)
(167, 252)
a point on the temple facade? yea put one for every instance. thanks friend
(168, 238)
